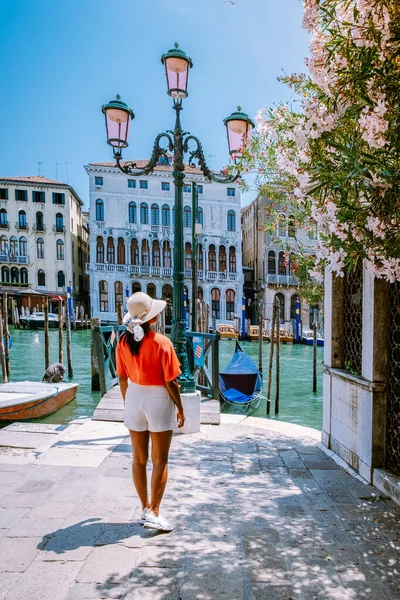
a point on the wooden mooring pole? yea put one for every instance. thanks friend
(278, 355)
(60, 331)
(68, 329)
(314, 388)
(2, 350)
(6, 334)
(46, 334)
(271, 355)
(260, 338)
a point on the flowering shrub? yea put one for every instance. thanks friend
(336, 161)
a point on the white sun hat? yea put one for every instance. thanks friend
(142, 308)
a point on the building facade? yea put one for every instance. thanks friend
(132, 239)
(43, 240)
(267, 265)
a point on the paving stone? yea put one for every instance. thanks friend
(52, 510)
(35, 527)
(299, 473)
(93, 591)
(9, 517)
(292, 459)
(45, 581)
(164, 557)
(210, 467)
(7, 581)
(223, 581)
(111, 565)
(35, 487)
(264, 591)
(17, 553)
(74, 541)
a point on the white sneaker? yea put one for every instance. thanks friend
(143, 518)
(154, 522)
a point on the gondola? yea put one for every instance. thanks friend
(241, 383)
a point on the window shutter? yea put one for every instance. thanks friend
(54, 198)
(63, 199)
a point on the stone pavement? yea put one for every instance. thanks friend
(260, 512)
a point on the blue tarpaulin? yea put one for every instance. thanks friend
(241, 381)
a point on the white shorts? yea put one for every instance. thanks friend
(149, 408)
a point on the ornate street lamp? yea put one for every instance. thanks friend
(239, 125)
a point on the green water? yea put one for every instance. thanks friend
(298, 404)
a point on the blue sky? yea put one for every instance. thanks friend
(60, 61)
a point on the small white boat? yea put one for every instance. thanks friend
(36, 321)
(30, 400)
(308, 338)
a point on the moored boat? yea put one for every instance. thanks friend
(285, 337)
(254, 334)
(30, 400)
(227, 332)
(36, 321)
(308, 338)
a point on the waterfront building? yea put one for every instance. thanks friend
(267, 266)
(132, 239)
(44, 241)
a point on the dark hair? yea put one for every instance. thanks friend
(128, 337)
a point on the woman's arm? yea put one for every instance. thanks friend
(123, 384)
(174, 392)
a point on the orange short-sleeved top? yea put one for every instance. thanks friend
(156, 363)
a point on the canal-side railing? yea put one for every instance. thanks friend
(104, 343)
(203, 354)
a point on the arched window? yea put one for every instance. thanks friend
(14, 275)
(41, 278)
(60, 279)
(200, 293)
(144, 213)
(39, 221)
(166, 255)
(103, 294)
(282, 264)
(215, 303)
(187, 216)
(231, 220)
(24, 275)
(155, 259)
(136, 287)
(200, 215)
(165, 215)
(173, 216)
(155, 214)
(100, 249)
(132, 212)
(5, 275)
(188, 255)
(151, 290)
(201, 258)
(230, 304)
(110, 250)
(222, 259)
(271, 263)
(145, 254)
(40, 248)
(3, 218)
(99, 210)
(281, 299)
(4, 245)
(118, 294)
(121, 251)
(60, 250)
(295, 298)
(134, 252)
(13, 247)
(23, 247)
(60, 222)
(232, 260)
(282, 226)
(22, 219)
(212, 258)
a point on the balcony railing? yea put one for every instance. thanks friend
(282, 279)
(59, 228)
(4, 225)
(15, 260)
(39, 228)
(161, 271)
(22, 226)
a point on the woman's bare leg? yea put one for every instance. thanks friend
(140, 450)
(160, 444)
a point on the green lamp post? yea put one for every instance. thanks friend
(178, 142)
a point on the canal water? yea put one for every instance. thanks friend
(298, 404)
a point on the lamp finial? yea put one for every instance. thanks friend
(118, 97)
(239, 109)
(176, 45)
